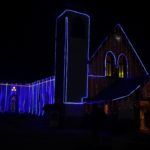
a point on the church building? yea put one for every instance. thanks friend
(114, 78)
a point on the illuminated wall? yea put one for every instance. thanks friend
(29, 98)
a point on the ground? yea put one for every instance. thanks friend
(26, 131)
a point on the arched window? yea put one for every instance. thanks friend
(110, 62)
(122, 66)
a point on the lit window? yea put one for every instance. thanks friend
(121, 71)
(122, 67)
(109, 65)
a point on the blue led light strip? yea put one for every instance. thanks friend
(65, 61)
(87, 59)
(39, 101)
(133, 49)
(43, 102)
(96, 76)
(29, 102)
(5, 108)
(128, 94)
(51, 80)
(66, 71)
(69, 10)
(29, 84)
(74, 103)
(0, 98)
(32, 100)
(19, 85)
(98, 48)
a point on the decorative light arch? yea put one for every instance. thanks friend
(112, 54)
(118, 60)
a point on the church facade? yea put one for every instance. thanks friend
(114, 77)
(117, 79)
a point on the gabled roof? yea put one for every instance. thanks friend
(72, 11)
(119, 27)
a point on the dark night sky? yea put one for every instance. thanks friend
(27, 33)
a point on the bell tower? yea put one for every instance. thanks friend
(71, 56)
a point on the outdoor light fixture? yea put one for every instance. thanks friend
(117, 37)
(13, 89)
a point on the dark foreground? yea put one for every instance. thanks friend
(26, 131)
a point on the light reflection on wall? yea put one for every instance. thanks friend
(29, 98)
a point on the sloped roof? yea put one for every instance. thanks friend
(120, 88)
(118, 26)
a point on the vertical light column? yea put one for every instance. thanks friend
(6, 88)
